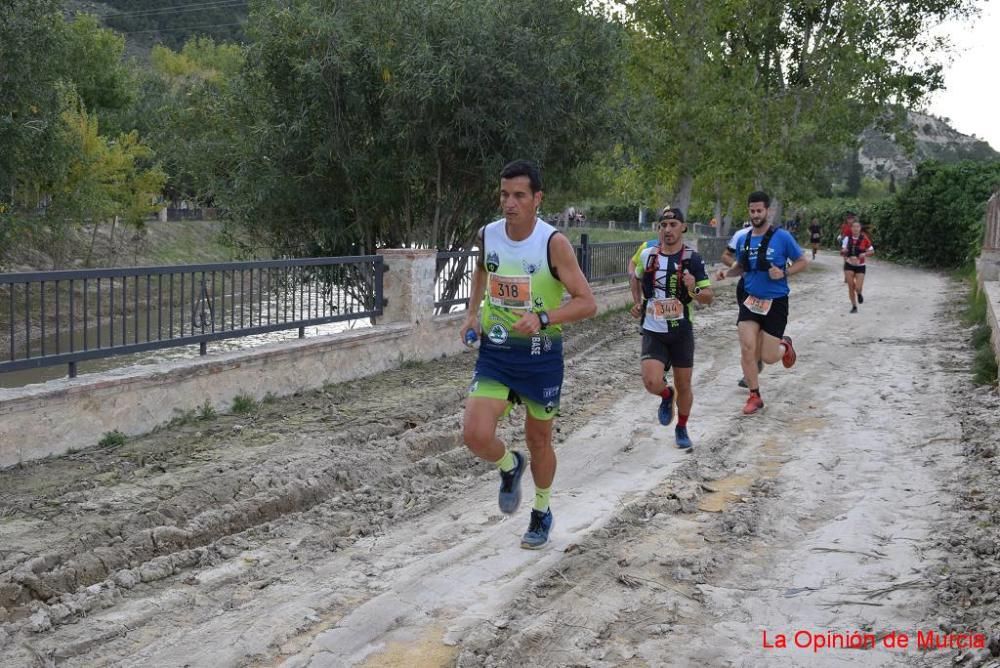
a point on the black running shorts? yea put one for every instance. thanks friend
(675, 348)
(774, 322)
(741, 294)
(857, 269)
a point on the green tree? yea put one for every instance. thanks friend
(104, 180)
(31, 95)
(93, 60)
(776, 90)
(938, 215)
(386, 123)
(854, 175)
(183, 114)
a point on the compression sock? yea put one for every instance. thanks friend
(507, 462)
(666, 393)
(542, 499)
(682, 420)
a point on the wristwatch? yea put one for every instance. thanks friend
(697, 290)
(543, 318)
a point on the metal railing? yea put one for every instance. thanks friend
(453, 279)
(599, 262)
(65, 317)
(605, 261)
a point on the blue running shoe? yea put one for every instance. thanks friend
(538, 530)
(683, 440)
(510, 485)
(666, 411)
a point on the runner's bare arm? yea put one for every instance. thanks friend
(636, 288)
(704, 297)
(477, 290)
(735, 269)
(797, 266)
(581, 303)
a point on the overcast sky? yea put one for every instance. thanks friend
(972, 97)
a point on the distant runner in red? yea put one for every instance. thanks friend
(845, 227)
(855, 248)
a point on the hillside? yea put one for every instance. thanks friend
(934, 139)
(167, 22)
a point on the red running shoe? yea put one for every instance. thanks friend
(754, 404)
(788, 359)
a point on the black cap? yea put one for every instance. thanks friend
(672, 213)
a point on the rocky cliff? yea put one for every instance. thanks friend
(881, 156)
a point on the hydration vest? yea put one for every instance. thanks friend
(762, 263)
(855, 248)
(649, 278)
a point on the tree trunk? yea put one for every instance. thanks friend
(682, 196)
(775, 212)
(717, 208)
(93, 241)
(727, 220)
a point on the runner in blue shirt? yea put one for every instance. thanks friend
(766, 258)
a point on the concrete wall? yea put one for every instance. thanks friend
(992, 290)
(55, 417)
(711, 249)
(988, 269)
(988, 263)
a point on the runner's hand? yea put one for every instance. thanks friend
(529, 323)
(720, 275)
(776, 273)
(470, 324)
(636, 310)
(688, 280)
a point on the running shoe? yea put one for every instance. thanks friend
(510, 485)
(861, 298)
(537, 534)
(854, 309)
(754, 404)
(666, 410)
(682, 438)
(788, 359)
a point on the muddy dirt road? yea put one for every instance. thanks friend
(350, 527)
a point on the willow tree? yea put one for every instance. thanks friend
(774, 91)
(386, 123)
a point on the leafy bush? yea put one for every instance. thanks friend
(112, 439)
(939, 214)
(936, 219)
(244, 404)
(619, 212)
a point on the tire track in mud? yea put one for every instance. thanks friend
(694, 571)
(352, 458)
(649, 580)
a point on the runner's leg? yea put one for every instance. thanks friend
(749, 331)
(685, 397)
(652, 376)
(479, 427)
(538, 436)
(772, 349)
